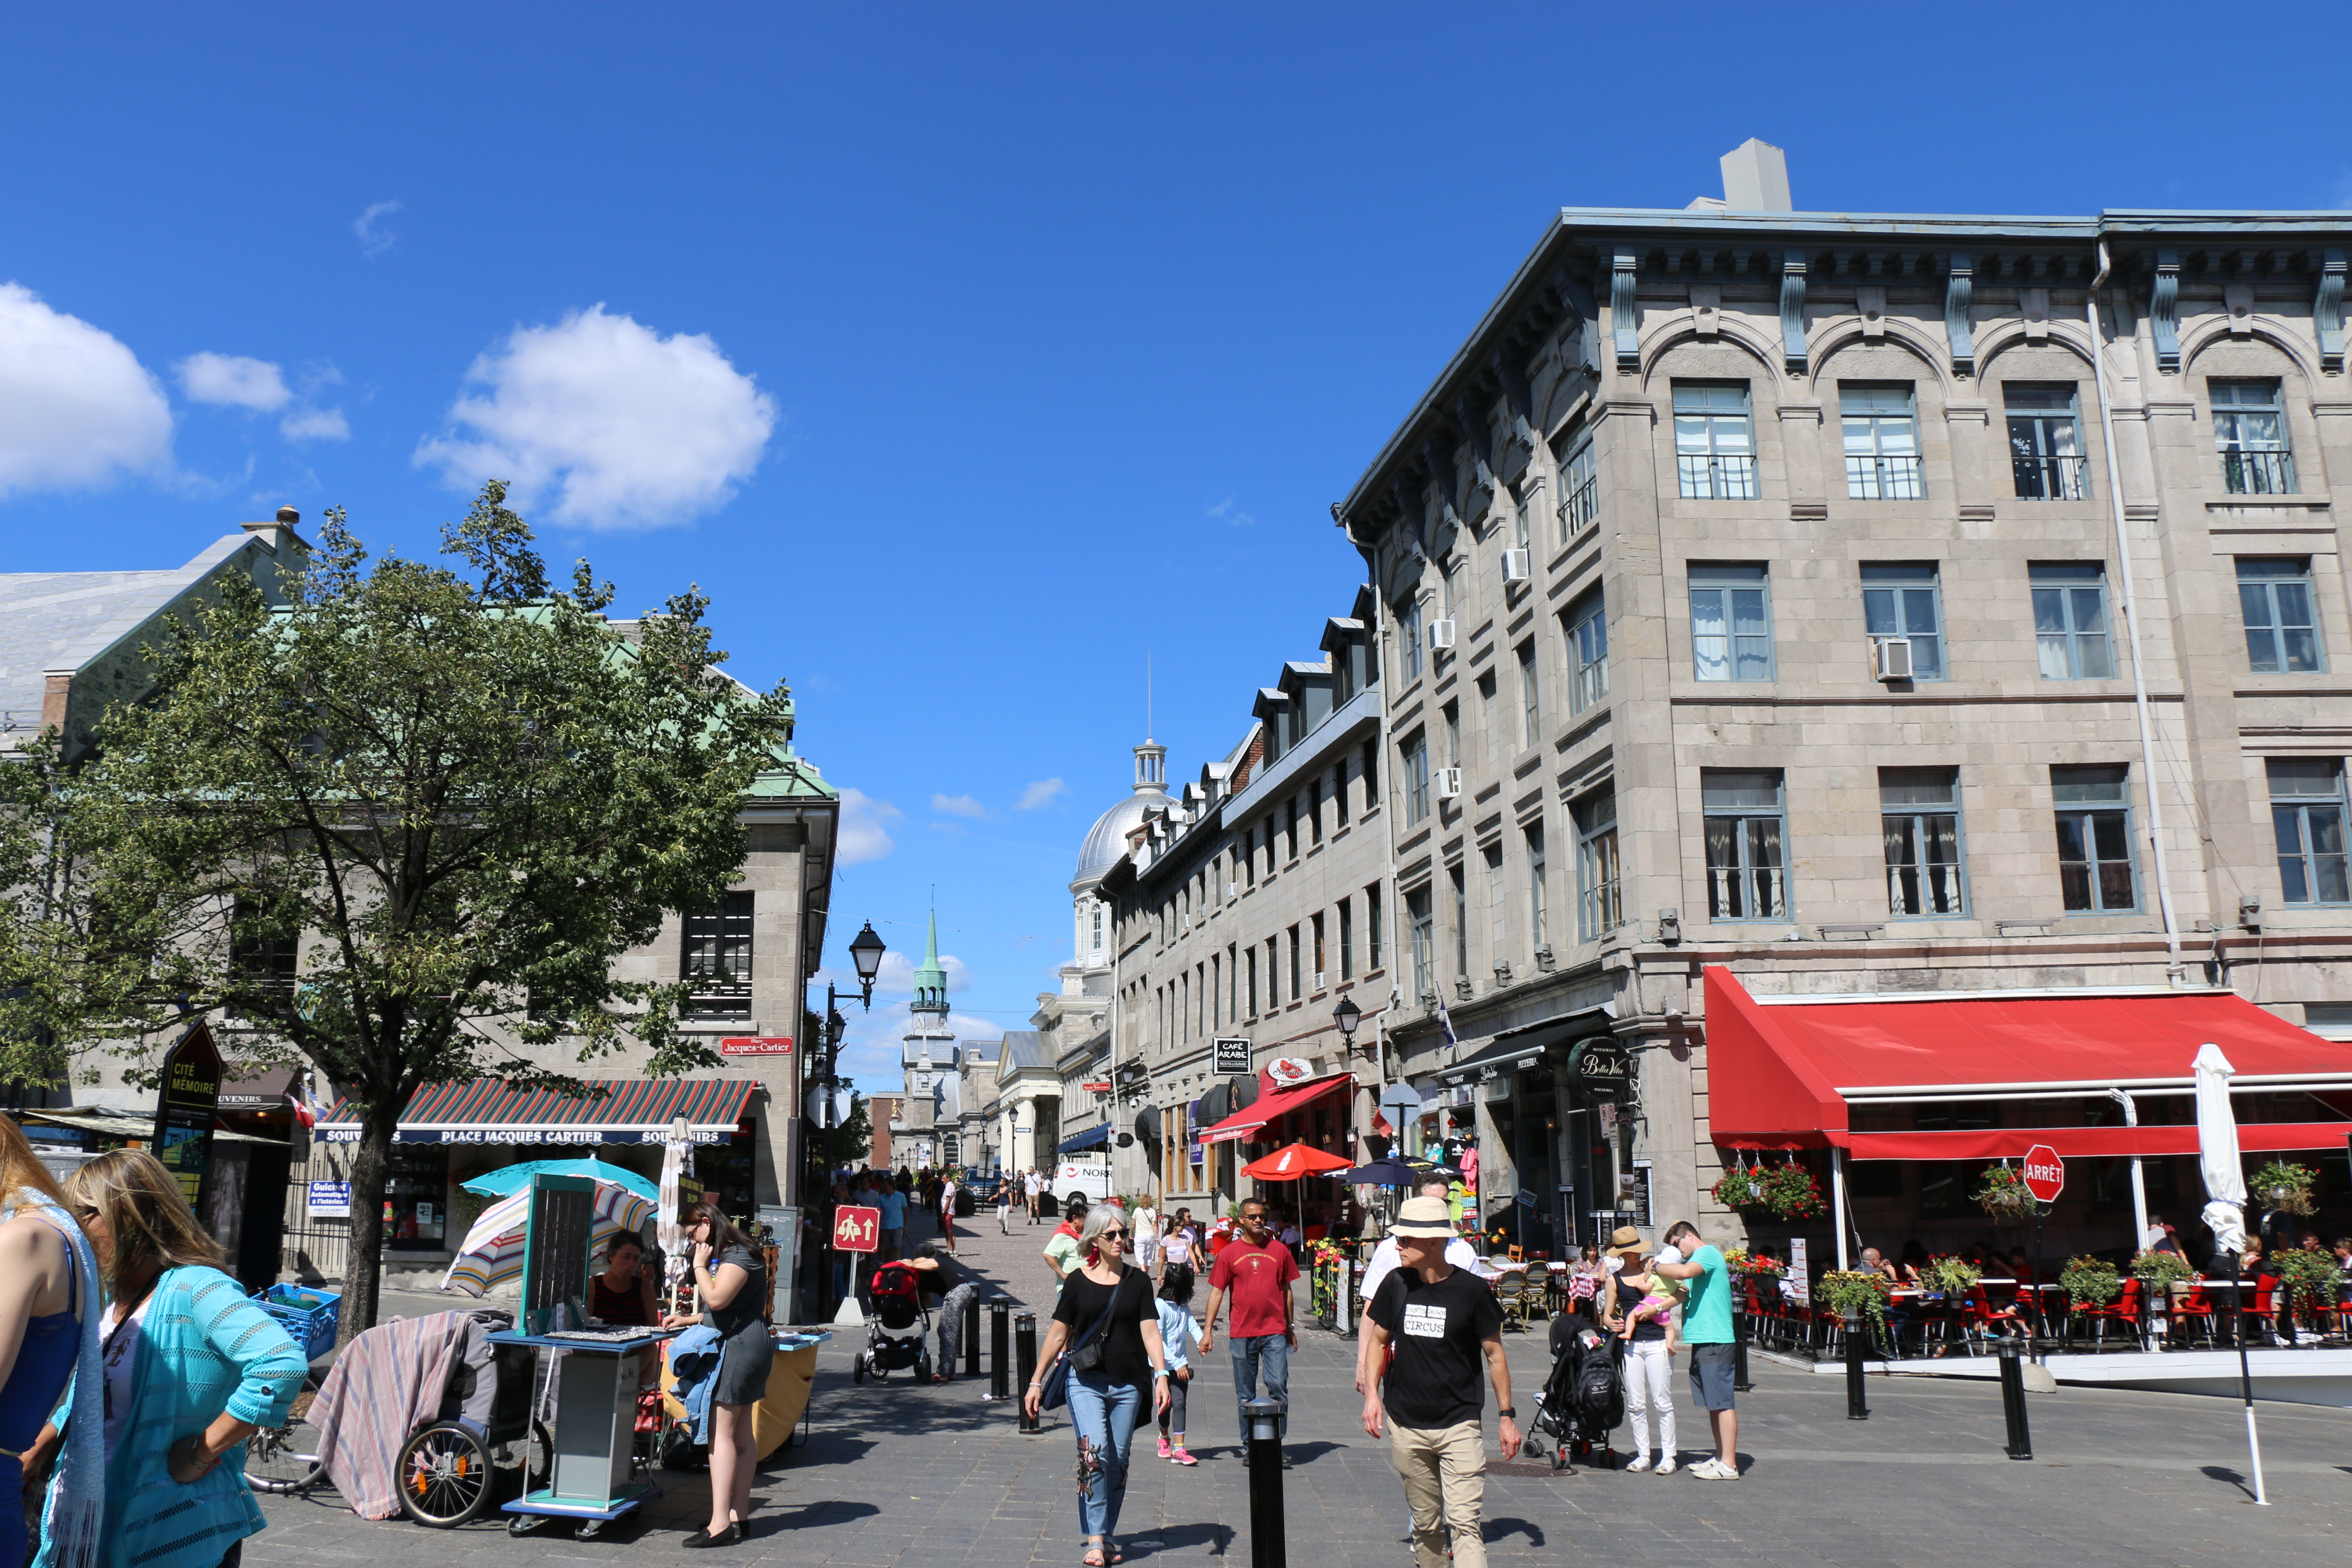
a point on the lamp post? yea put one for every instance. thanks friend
(865, 952)
(1347, 1015)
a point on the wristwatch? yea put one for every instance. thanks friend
(1509, 1413)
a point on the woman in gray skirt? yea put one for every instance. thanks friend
(733, 1280)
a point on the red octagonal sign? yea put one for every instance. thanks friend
(2046, 1172)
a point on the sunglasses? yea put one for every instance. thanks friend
(1110, 1233)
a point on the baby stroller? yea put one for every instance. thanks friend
(902, 1324)
(1584, 1398)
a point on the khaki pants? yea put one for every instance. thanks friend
(1444, 1466)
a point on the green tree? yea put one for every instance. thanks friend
(407, 817)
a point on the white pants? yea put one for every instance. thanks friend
(1649, 1384)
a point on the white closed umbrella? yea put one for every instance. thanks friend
(2225, 1211)
(668, 1231)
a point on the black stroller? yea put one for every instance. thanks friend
(899, 1336)
(1583, 1400)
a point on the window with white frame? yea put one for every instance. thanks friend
(1731, 621)
(2092, 806)
(2250, 429)
(1905, 599)
(1580, 492)
(1416, 779)
(1881, 441)
(1418, 914)
(1714, 441)
(2282, 632)
(1746, 869)
(2045, 441)
(1600, 896)
(2070, 620)
(1587, 624)
(2307, 820)
(1919, 817)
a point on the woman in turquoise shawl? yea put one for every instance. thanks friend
(191, 1368)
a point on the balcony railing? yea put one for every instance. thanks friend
(1884, 479)
(1746, 893)
(1581, 510)
(2052, 479)
(1706, 477)
(718, 999)
(2259, 473)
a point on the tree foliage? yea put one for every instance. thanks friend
(400, 826)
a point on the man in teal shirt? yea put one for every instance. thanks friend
(1707, 1328)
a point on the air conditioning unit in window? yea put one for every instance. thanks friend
(1461, 1097)
(1518, 565)
(1319, 982)
(1890, 658)
(1441, 633)
(1449, 783)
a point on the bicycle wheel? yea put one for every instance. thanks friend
(285, 1458)
(444, 1473)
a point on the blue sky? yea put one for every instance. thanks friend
(963, 355)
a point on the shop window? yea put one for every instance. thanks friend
(416, 1198)
(717, 959)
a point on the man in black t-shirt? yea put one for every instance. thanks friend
(1442, 1322)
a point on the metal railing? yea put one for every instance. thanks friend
(1885, 479)
(2052, 479)
(1581, 510)
(2259, 473)
(1706, 477)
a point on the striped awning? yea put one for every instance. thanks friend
(626, 1110)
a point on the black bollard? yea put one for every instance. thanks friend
(1857, 1346)
(1740, 1382)
(1024, 1336)
(2012, 1399)
(970, 1337)
(1000, 1349)
(1268, 1547)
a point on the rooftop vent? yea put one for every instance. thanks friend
(1756, 178)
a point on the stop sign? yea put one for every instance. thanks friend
(2046, 1172)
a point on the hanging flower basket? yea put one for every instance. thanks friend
(2004, 1194)
(1739, 1260)
(1790, 1192)
(1739, 1189)
(2090, 1281)
(2289, 1188)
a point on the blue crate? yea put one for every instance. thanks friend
(309, 1316)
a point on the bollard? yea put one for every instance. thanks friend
(970, 1337)
(1025, 1335)
(1740, 1382)
(1857, 1346)
(2012, 1400)
(1000, 1349)
(1267, 1546)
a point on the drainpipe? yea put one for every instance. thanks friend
(2175, 971)
(2139, 1182)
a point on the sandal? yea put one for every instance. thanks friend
(1094, 1558)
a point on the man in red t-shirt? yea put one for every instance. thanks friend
(1258, 1271)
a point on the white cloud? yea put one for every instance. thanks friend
(233, 380)
(376, 239)
(959, 806)
(613, 424)
(315, 424)
(1044, 792)
(897, 976)
(1226, 511)
(77, 408)
(866, 828)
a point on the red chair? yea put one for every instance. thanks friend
(2124, 1310)
(1982, 1320)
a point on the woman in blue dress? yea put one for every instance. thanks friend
(48, 1329)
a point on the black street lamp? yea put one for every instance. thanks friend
(865, 952)
(1347, 1015)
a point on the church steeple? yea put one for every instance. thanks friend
(931, 980)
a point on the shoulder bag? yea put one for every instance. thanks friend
(1082, 1354)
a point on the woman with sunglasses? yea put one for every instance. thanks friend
(733, 1276)
(1107, 1315)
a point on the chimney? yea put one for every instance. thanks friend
(278, 533)
(1756, 178)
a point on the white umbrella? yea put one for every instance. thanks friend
(2225, 1214)
(669, 1234)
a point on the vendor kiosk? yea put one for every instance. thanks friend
(597, 1380)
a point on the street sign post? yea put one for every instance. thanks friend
(857, 1228)
(2045, 1173)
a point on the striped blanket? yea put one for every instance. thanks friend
(386, 1382)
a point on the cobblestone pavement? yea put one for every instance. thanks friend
(912, 1477)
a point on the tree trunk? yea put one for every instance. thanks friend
(363, 1274)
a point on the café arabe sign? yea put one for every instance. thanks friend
(1600, 1067)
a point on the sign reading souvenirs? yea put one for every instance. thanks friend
(1232, 1053)
(184, 1109)
(1600, 1067)
(756, 1046)
(2045, 1173)
(857, 1229)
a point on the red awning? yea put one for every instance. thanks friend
(1272, 1107)
(1788, 1074)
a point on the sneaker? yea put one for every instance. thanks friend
(1165, 1452)
(1714, 1470)
(1666, 1466)
(1181, 1458)
(1642, 1462)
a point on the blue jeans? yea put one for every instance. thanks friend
(1267, 1353)
(1104, 1413)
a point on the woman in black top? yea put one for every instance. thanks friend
(1107, 1313)
(621, 1295)
(733, 1278)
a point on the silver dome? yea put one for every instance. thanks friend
(1106, 840)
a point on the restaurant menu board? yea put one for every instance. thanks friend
(184, 1109)
(1800, 1273)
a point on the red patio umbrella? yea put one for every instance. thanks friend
(1295, 1163)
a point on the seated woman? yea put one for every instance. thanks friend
(622, 1296)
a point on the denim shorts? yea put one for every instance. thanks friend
(1711, 1376)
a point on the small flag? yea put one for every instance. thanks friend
(1445, 1022)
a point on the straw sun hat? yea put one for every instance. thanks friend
(1625, 1240)
(1428, 1218)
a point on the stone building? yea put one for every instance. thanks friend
(1862, 605)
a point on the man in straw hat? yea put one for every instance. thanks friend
(1442, 1321)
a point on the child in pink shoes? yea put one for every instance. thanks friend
(1179, 1331)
